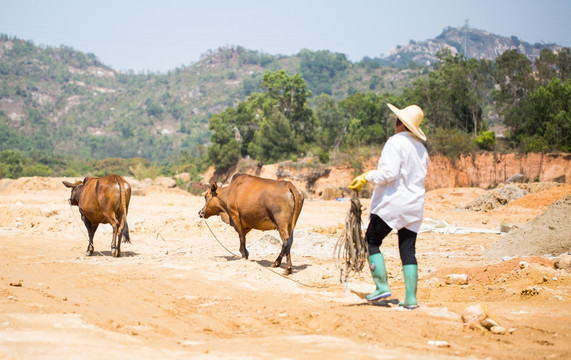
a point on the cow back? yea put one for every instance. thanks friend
(262, 203)
(101, 198)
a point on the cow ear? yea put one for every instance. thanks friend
(67, 184)
(213, 187)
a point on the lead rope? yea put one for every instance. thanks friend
(77, 222)
(263, 267)
(216, 238)
(351, 249)
(81, 227)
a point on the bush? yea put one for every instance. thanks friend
(486, 140)
(323, 156)
(37, 170)
(451, 142)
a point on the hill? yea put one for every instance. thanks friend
(59, 101)
(472, 43)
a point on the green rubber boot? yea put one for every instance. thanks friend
(379, 272)
(410, 279)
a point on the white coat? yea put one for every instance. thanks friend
(398, 197)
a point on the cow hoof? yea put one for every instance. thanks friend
(288, 271)
(89, 253)
(116, 253)
(276, 264)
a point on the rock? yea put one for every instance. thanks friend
(49, 211)
(489, 323)
(439, 343)
(530, 291)
(473, 315)
(457, 279)
(505, 227)
(331, 193)
(184, 177)
(523, 264)
(498, 330)
(517, 178)
(563, 262)
(164, 182)
(478, 317)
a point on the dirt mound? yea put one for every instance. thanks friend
(506, 194)
(34, 183)
(547, 233)
(541, 198)
(491, 274)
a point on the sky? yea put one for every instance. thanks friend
(158, 36)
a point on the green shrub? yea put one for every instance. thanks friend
(451, 142)
(323, 156)
(486, 140)
(37, 170)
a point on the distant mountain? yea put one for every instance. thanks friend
(57, 100)
(472, 43)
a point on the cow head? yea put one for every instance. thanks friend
(76, 189)
(212, 204)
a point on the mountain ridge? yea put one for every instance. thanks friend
(62, 101)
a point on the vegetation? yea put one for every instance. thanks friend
(62, 112)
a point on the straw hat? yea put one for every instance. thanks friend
(411, 116)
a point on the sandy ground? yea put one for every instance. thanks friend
(177, 293)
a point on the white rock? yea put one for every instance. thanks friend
(457, 279)
(499, 330)
(564, 262)
(474, 314)
(489, 323)
(438, 343)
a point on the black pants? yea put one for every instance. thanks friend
(378, 230)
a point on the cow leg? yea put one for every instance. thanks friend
(243, 249)
(91, 228)
(119, 236)
(287, 241)
(115, 245)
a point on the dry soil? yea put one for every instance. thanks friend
(180, 292)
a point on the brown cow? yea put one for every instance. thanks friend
(103, 200)
(251, 202)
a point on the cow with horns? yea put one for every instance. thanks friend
(252, 202)
(103, 200)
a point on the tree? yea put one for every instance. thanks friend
(321, 68)
(550, 65)
(274, 141)
(547, 124)
(329, 121)
(366, 119)
(514, 77)
(455, 93)
(224, 152)
(291, 94)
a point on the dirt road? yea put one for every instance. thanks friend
(177, 293)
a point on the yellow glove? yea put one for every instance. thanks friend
(358, 182)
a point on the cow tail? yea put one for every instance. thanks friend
(298, 204)
(126, 238)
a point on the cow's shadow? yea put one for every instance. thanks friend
(267, 263)
(108, 253)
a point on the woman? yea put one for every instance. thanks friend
(398, 201)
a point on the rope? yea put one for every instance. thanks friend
(218, 241)
(78, 224)
(351, 251)
(263, 267)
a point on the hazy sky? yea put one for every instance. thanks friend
(144, 35)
